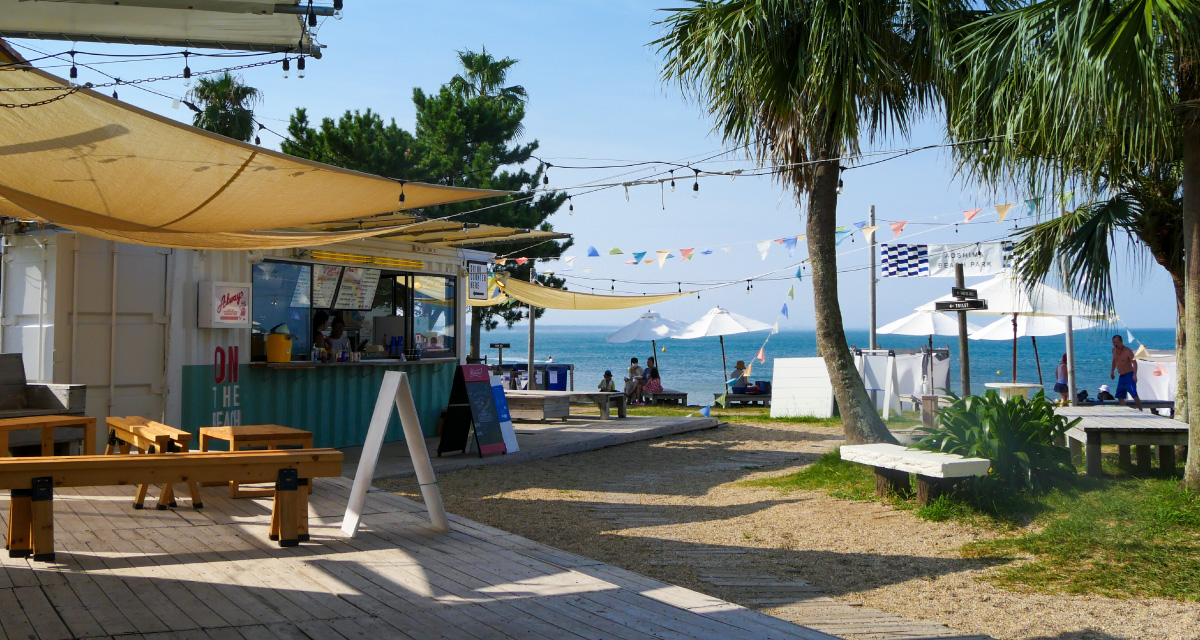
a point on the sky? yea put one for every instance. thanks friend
(596, 98)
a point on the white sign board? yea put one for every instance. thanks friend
(477, 281)
(358, 288)
(223, 305)
(324, 285)
(801, 387)
(977, 258)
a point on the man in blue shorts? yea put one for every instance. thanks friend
(1124, 364)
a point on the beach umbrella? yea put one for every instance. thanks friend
(719, 322)
(1032, 327)
(650, 326)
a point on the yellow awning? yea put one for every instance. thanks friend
(550, 298)
(90, 161)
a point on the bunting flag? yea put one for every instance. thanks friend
(1160, 370)
(897, 228)
(501, 261)
(860, 225)
(774, 328)
(662, 257)
(648, 260)
(706, 411)
(686, 253)
(570, 260)
(725, 249)
(792, 292)
(731, 381)
(784, 311)
(1065, 198)
(762, 354)
(706, 252)
(970, 214)
(800, 272)
(779, 240)
(1002, 211)
(764, 247)
(614, 252)
(869, 232)
(587, 269)
(842, 235)
(631, 262)
(1129, 334)
(1033, 205)
(721, 401)
(638, 255)
(749, 368)
(790, 245)
(521, 261)
(592, 253)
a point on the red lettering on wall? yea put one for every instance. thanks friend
(219, 365)
(233, 364)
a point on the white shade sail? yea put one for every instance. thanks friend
(1006, 295)
(719, 322)
(925, 323)
(650, 326)
(1027, 326)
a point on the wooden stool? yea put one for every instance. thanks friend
(252, 436)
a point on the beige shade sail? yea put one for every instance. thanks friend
(231, 240)
(90, 161)
(549, 298)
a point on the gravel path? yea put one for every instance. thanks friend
(672, 509)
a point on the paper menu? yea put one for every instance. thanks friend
(358, 288)
(325, 281)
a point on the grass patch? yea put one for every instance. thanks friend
(1121, 536)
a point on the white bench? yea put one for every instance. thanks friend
(894, 462)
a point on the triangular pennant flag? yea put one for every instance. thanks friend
(792, 292)
(1130, 335)
(662, 257)
(706, 252)
(725, 249)
(970, 214)
(706, 411)
(840, 229)
(763, 247)
(784, 311)
(731, 381)
(614, 252)
(631, 262)
(638, 255)
(869, 233)
(1002, 211)
(670, 255)
(842, 235)
(1159, 370)
(801, 236)
(686, 253)
(570, 260)
(648, 261)
(587, 269)
(522, 260)
(592, 253)
(790, 245)
(860, 225)
(1033, 204)
(762, 355)
(721, 399)
(897, 228)
(779, 240)
(501, 261)
(800, 272)
(775, 328)
(749, 368)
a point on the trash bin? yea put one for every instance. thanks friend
(557, 374)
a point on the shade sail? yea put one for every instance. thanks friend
(1006, 295)
(650, 326)
(252, 25)
(549, 298)
(925, 323)
(243, 240)
(1029, 326)
(90, 161)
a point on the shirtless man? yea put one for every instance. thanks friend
(1124, 364)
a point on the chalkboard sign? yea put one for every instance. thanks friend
(472, 404)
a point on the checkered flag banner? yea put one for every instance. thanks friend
(905, 260)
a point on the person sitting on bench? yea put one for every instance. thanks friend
(607, 384)
(653, 381)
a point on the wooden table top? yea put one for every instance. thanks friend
(254, 432)
(33, 422)
(1119, 418)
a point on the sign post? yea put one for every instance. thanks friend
(501, 346)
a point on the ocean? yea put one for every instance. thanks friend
(694, 366)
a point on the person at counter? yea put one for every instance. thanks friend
(319, 341)
(338, 339)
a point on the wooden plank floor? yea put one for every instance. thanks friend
(212, 574)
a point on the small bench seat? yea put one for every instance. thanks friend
(893, 463)
(526, 406)
(666, 396)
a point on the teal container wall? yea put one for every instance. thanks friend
(335, 403)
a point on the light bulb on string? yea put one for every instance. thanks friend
(570, 206)
(300, 67)
(672, 181)
(614, 286)
(337, 9)
(955, 228)
(841, 186)
(187, 71)
(401, 192)
(74, 71)
(696, 184)
(115, 95)
(546, 174)
(626, 185)
(312, 17)
(287, 67)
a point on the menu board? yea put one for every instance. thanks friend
(300, 293)
(325, 282)
(472, 404)
(358, 288)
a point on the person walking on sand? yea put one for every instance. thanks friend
(1060, 381)
(1124, 364)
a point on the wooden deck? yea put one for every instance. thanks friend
(213, 574)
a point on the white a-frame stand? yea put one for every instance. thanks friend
(395, 390)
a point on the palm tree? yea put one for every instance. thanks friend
(1095, 92)
(798, 83)
(226, 106)
(484, 75)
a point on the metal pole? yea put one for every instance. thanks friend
(871, 290)
(532, 373)
(1014, 367)
(1071, 361)
(724, 368)
(1037, 358)
(963, 348)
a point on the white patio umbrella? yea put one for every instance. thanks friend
(650, 326)
(719, 322)
(1031, 326)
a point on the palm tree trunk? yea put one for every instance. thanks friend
(1189, 92)
(860, 420)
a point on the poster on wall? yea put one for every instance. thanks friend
(325, 282)
(477, 280)
(223, 305)
(358, 288)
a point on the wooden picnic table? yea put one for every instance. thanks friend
(1124, 427)
(48, 424)
(745, 399)
(255, 436)
(605, 400)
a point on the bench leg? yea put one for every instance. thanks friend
(112, 443)
(1094, 467)
(139, 499)
(302, 509)
(285, 511)
(890, 481)
(197, 501)
(1166, 458)
(622, 411)
(166, 498)
(1076, 448)
(929, 488)
(42, 520)
(20, 517)
(1123, 459)
(1143, 458)
(603, 404)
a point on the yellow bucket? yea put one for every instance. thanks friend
(279, 348)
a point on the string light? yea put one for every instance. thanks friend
(337, 9)
(841, 186)
(570, 206)
(287, 67)
(74, 71)
(312, 17)
(115, 95)
(672, 181)
(401, 192)
(546, 174)
(696, 184)
(987, 146)
(300, 67)
(187, 71)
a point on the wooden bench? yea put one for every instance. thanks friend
(746, 399)
(1125, 427)
(525, 405)
(604, 400)
(32, 481)
(148, 436)
(893, 463)
(50, 428)
(21, 399)
(666, 396)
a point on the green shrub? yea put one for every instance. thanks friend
(1017, 435)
